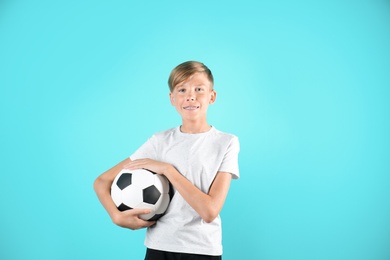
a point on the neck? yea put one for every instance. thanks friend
(193, 128)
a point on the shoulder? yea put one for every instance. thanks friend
(164, 133)
(224, 136)
(168, 132)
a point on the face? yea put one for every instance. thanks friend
(192, 97)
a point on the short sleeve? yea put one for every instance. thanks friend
(147, 150)
(230, 160)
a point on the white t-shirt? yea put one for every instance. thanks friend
(198, 157)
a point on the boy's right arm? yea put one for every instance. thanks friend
(129, 218)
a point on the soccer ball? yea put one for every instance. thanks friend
(142, 189)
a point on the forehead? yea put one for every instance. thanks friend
(196, 79)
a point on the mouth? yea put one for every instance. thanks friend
(190, 107)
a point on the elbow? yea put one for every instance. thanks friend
(209, 211)
(208, 220)
(210, 215)
(96, 184)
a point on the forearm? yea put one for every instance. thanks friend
(207, 206)
(102, 189)
(128, 218)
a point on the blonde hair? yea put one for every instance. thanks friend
(185, 70)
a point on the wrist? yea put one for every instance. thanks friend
(115, 216)
(169, 170)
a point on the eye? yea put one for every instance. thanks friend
(198, 89)
(181, 90)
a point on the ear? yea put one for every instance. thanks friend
(213, 96)
(172, 99)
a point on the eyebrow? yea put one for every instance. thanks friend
(196, 84)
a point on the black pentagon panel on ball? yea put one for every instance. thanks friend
(123, 207)
(151, 194)
(155, 217)
(171, 191)
(124, 181)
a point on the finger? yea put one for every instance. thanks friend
(137, 211)
(136, 164)
(141, 223)
(131, 166)
(149, 223)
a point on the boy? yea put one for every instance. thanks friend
(198, 160)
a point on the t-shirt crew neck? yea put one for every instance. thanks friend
(180, 132)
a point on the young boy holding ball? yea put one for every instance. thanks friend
(197, 159)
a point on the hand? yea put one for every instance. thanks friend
(149, 164)
(130, 219)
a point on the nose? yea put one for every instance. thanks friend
(191, 96)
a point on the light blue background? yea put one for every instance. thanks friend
(304, 84)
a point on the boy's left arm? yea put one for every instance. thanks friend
(207, 205)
